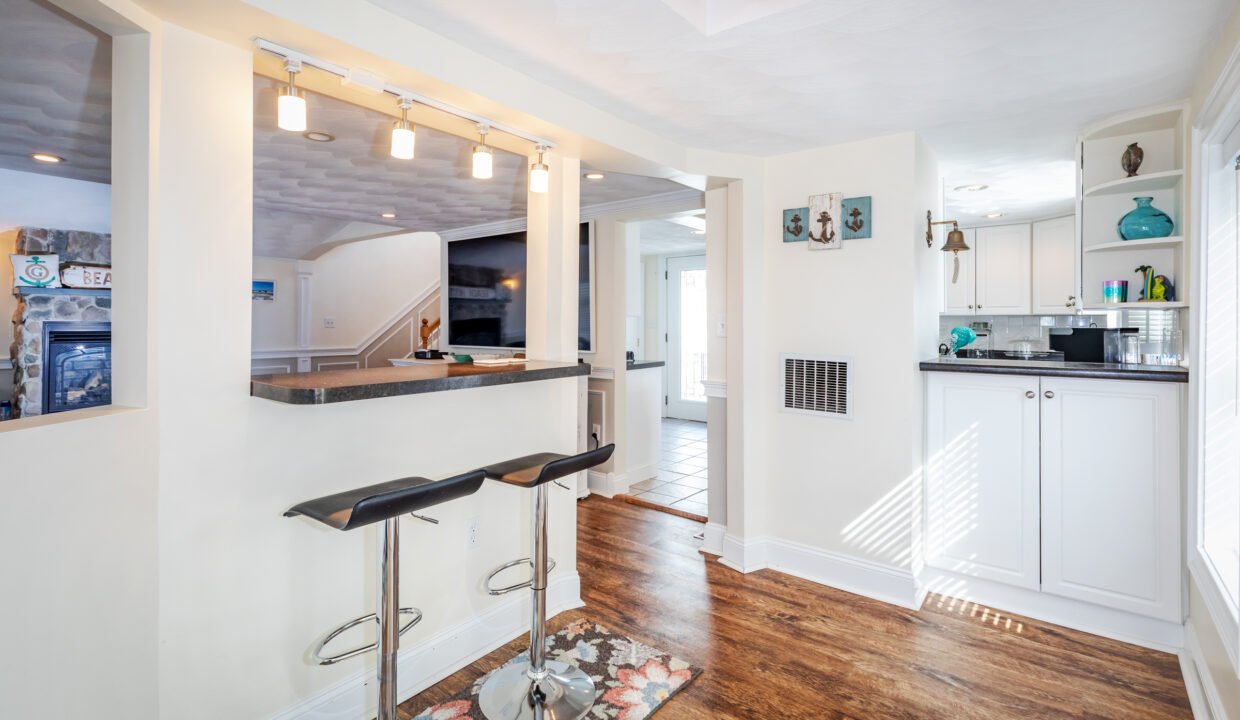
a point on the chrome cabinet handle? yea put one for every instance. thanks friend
(979, 307)
(970, 307)
(1030, 394)
(1049, 395)
(1071, 301)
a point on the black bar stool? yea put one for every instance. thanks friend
(539, 688)
(384, 502)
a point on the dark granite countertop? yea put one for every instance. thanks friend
(1104, 371)
(333, 386)
(646, 364)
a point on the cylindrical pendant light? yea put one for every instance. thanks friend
(540, 174)
(403, 136)
(483, 159)
(291, 106)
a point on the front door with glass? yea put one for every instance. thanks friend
(686, 337)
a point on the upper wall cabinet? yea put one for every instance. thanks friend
(1003, 269)
(1107, 193)
(960, 285)
(1054, 266)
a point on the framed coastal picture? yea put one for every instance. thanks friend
(856, 219)
(263, 290)
(795, 224)
(824, 229)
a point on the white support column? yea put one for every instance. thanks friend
(552, 251)
(305, 274)
(716, 368)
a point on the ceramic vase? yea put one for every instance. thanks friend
(1146, 221)
(1131, 161)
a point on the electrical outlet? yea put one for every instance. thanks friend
(471, 533)
(329, 322)
(597, 431)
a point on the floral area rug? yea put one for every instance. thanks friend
(632, 680)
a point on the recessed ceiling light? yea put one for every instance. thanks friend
(994, 215)
(595, 176)
(46, 158)
(699, 232)
(318, 136)
(388, 215)
(970, 188)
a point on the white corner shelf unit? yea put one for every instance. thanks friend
(1105, 194)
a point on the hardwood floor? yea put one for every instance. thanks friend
(774, 646)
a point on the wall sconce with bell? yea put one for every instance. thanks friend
(955, 241)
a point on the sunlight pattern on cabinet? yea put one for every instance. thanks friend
(954, 470)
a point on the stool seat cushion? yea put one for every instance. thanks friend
(539, 468)
(373, 503)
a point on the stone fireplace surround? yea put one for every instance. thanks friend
(58, 305)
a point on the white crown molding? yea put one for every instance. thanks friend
(715, 388)
(674, 201)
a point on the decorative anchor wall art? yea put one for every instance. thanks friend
(856, 218)
(36, 271)
(824, 226)
(795, 224)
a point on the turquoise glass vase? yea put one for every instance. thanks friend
(1146, 221)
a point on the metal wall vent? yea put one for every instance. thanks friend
(817, 385)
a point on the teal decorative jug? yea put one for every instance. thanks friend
(1146, 221)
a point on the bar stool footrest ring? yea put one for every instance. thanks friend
(518, 586)
(333, 659)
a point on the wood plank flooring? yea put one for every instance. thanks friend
(777, 647)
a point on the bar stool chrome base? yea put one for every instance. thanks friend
(565, 692)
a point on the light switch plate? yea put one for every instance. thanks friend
(329, 322)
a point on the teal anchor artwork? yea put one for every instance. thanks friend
(36, 272)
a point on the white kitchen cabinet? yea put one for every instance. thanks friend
(1054, 266)
(1111, 494)
(981, 492)
(958, 296)
(1003, 270)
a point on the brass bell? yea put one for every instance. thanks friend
(955, 241)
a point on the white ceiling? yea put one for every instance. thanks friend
(664, 237)
(55, 92)
(998, 89)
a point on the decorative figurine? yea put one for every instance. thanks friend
(1155, 288)
(1133, 156)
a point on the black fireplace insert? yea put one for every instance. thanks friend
(77, 365)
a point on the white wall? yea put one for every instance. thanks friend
(364, 286)
(846, 486)
(274, 323)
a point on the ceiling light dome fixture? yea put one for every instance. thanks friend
(387, 215)
(48, 158)
(994, 215)
(970, 188)
(403, 136)
(318, 136)
(291, 106)
(595, 175)
(483, 158)
(540, 173)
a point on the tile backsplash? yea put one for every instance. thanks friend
(1006, 328)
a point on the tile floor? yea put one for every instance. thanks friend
(681, 482)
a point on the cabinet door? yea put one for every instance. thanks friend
(1003, 270)
(981, 492)
(1054, 266)
(1111, 493)
(958, 296)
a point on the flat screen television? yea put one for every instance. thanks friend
(486, 297)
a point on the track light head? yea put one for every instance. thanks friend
(291, 105)
(403, 135)
(483, 158)
(540, 174)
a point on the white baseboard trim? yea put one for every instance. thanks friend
(1203, 695)
(1094, 619)
(842, 572)
(438, 656)
(606, 484)
(712, 538)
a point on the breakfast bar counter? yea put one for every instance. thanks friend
(333, 386)
(1101, 371)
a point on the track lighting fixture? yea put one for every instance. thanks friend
(403, 136)
(483, 159)
(291, 107)
(540, 174)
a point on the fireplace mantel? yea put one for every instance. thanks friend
(80, 292)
